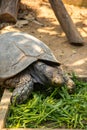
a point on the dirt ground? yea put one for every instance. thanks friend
(40, 21)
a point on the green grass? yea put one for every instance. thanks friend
(52, 107)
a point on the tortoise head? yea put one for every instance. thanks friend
(61, 78)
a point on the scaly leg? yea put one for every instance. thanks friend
(23, 87)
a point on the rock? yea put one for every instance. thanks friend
(21, 23)
(29, 17)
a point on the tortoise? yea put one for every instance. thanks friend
(25, 61)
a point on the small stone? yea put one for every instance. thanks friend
(29, 17)
(21, 23)
(74, 51)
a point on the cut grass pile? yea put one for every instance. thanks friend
(52, 108)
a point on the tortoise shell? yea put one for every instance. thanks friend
(18, 50)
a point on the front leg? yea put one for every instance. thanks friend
(22, 92)
(23, 84)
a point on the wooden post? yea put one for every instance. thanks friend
(8, 10)
(66, 23)
(4, 106)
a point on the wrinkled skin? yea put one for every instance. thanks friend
(38, 72)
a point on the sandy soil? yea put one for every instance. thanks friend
(42, 23)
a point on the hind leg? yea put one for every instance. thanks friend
(23, 87)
